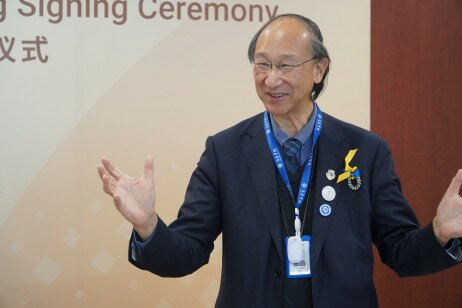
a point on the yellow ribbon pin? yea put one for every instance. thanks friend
(348, 169)
(351, 173)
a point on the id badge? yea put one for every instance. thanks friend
(303, 268)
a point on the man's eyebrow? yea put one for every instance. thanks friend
(261, 54)
(280, 56)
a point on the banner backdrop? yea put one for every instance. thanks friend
(83, 79)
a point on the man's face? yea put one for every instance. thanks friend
(285, 42)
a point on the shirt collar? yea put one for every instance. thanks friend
(303, 135)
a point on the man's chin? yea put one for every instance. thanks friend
(276, 110)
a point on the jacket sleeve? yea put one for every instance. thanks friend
(186, 244)
(402, 244)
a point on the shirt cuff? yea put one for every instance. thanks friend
(453, 249)
(138, 244)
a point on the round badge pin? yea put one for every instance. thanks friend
(330, 174)
(325, 210)
(328, 193)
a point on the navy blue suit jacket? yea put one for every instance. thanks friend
(233, 191)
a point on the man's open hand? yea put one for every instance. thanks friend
(133, 198)
(448, 221)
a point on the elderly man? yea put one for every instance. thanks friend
(298, 195)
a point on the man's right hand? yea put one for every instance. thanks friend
(133, 198)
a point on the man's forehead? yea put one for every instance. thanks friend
(286, 26)
(287, 37)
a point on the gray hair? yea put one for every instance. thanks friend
(318, 50)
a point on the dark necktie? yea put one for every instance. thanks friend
(291, 148)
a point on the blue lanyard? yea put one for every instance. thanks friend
(305, 181)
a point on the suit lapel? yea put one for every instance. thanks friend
(262, 171)
(330, 155)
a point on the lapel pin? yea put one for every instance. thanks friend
(330, 174)
(325, 210)
(328, 193)
(351, 173)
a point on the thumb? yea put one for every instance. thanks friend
(455, 185)
(149, 167)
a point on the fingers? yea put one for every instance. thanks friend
(109, 184)
(111, 169)
(149, 167)
(101, 171)
(456, 183)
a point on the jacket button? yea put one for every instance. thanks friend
(276, 273)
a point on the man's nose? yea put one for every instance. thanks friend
(273, 79)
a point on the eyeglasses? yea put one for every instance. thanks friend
(263, 68)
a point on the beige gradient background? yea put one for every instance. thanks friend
(149, 86)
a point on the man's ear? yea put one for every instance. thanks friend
(320, 69)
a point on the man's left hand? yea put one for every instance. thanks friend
(447, 223)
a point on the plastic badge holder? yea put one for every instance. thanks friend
(294, 249)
